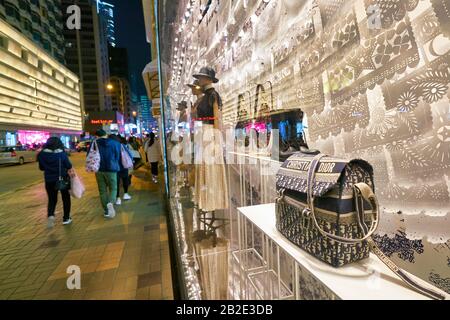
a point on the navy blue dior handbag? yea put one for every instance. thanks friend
(327, 207)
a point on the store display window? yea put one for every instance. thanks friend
(317, 77)
(28, 137)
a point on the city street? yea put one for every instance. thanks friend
(123, 258)
(15, 177)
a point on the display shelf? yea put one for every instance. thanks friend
(268, 286)
(249, 260)
(368, 279)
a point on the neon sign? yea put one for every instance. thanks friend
(102, 121)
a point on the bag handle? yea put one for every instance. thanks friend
(94, 145)
(362, 191)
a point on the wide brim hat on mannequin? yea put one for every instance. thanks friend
(207, 72)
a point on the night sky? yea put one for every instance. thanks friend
(130, 34)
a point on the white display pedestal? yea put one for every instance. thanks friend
(369, 279)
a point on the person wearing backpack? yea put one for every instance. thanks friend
(106, 176)
(58, 170)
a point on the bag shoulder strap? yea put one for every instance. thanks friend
(60, 176)
(431, 293)
(364, 192)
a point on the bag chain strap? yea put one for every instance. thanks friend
(364, 192)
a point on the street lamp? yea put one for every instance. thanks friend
(134, 113)
(110, 88)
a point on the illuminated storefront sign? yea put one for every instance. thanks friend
(110, 121)
(102, 122)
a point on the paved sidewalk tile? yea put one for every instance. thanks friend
(123, 258)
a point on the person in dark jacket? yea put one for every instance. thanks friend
(107, 175)
(54, 162)
(123, 174)
(133, 146)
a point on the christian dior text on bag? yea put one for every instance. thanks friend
(328, 208)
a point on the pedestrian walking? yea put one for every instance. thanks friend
(154, 155)
(145, 141)
(134, 146)
(106, 176)
(123, 175)
(57, 168)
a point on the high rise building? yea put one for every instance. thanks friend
(119, 90)
(106, 10)
(87, 56)
(145, 113)
(39, 96)
(118, 62)
(39, 20)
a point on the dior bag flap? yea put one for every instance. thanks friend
(327, 207)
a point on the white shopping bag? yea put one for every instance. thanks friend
(77, 187)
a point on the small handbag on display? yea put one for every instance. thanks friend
(327, 207)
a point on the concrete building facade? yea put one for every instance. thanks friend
(40, 21)
(87, 56)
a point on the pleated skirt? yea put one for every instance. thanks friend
(211, 187)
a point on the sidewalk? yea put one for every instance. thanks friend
(124, 258)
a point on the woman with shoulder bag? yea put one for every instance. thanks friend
(123, 175)
(57, 168)
(133, 146)
(153, 154)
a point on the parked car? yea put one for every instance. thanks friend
(83, 146)
(17, 154)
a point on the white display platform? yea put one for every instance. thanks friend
(369, 279)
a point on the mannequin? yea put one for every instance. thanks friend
(211, 185)
(197, 92)
(211, 190)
